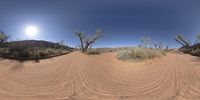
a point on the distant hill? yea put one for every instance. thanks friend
(32, 49)
(35, 44)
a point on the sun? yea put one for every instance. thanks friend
(31, 30)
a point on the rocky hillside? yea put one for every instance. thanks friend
(32, 49)
(35, 44)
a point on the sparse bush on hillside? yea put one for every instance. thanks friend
(42, 53)
(50, 51)
(4, 51)
(21, 50)
(140, 54)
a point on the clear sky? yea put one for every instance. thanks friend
(122, 21)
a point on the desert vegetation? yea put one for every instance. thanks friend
(32, 49)
(87, 41)
(145, 41)
(93, 52)
(78, 64)
(146, 50)
(139, 54)
(187, 46)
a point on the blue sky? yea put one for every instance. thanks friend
(122, 21)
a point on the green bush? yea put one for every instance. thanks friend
(140, 53)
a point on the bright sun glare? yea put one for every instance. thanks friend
(31, 30)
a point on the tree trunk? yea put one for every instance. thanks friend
(181, 43)
(82, 45)
(185, 42)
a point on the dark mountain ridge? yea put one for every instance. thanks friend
(35, 44)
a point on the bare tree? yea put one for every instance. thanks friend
(81, 36)
(167, 47)
(85, 41)
(155, 45)
(160, 45)
(180, 39)
(3, 37)
(145, 41)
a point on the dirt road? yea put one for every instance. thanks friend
(77, 76)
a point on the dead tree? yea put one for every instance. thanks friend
(85, 41)
(145, 41)
(81, 37)
(155, 45)
(180, 39)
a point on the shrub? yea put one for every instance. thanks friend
(36, 55)
(59, 51)
(93, 52)
(50, 51)
(20, 51)
(4, 52)
(42, 54)
(124, 54)
(140, 54)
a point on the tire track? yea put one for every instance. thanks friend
(79, 76)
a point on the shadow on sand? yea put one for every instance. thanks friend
(18, 66)
(20, 63)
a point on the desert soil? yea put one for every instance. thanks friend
(77, 76)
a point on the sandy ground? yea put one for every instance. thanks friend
(77, 76)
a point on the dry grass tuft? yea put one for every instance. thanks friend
(140, 53)
(93, 52)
